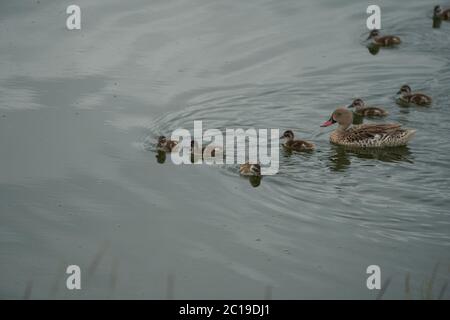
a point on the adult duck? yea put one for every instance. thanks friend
(366, 135)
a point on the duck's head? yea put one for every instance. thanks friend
(255, 169)
(357, 104)
(437, 10)
(405, 89)
(342, 116)
(288, 134)
(162, 140)
(374, 33)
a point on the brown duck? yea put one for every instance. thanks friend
(383, 41)
(363, 111)
(165, 144)
(296, 145)
(441, 14)
(366, 135)
(420, 99)
(248, 169)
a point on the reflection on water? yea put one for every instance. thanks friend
(160, 156)
(340, 157)
(373, 48)
(255, 181)
(436, 22)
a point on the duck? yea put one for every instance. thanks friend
(248, 169)
(439, 13)
(296, 145)
(420, 99)
(363, 111)
(165, 145)
(366, 135)
(383, 41)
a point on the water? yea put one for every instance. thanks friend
(80, 183)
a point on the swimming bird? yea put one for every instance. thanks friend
(384, 41)
(439, 13)
(165, 144)
(366, 135)
(248, 169)
(363, 111)
(406, 96)
(296, 145)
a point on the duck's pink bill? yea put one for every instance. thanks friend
(327, 123)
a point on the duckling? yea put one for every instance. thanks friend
(363, 111)
(165, 144)
(296, 145)
(438, 13)
(383, 41)
(366, 135)
(420, 99)
(248, 169)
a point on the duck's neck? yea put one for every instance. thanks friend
(343, 127)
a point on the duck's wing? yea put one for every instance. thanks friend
(374, 111)
(373, 133)
(420, 98)
(301, 144)
(388, 40)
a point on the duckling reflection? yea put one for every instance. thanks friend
(340, 158)
(255, 181)
(161, 156)
(437, 22)
(373, 48)
(253, 172)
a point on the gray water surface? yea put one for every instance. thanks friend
(80, 183)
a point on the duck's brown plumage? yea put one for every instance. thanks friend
(363, 111)
(247, 169)
(371, 112)
(165, 144)
(417, 98)
(441, 14)
(387, 41)
(366, 135)
(383, 41)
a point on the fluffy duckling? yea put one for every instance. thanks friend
(363, 111)
(420, 99)
(441, 14)
(366, 135)
(165, 144)
(248, 169)
(383, 41)
(296, 145)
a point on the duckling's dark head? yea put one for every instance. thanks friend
(437, 9)
(374, 33)
(404, 89)
(162, 139)
(288, 134)
(256, 169)
(357, 103)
